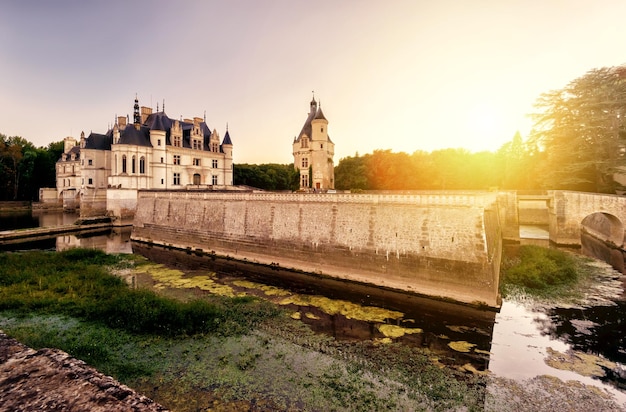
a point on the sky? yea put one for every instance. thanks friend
(399, 75)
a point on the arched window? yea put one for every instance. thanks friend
(142, 165)
(196, 179)
(132, 165)
(123, 163)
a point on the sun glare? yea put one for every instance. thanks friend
(485, 128)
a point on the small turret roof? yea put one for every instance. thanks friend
(319, 115)
(227, 139)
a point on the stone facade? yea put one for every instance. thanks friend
(437, 245)
(153, 152)
(313, 152)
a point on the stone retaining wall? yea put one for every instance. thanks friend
(445, 245)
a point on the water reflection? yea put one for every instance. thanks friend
(115, 240)
(441, 323)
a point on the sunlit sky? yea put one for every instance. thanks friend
(400, 75)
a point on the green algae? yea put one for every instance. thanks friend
(393, 331)
(173, 278)
(267, 290)
(582, 363)
(348, 309)
(461, 346)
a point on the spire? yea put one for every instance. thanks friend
(313, 103)
(157, 107)
(163, 105)
(205, 116)
(136, 115)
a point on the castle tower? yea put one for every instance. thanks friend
(313, 152)
(227, 148)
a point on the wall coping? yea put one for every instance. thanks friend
(461, 199)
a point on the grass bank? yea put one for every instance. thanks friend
(213, 352)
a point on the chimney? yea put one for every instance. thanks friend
(145, 112)
(121, 122)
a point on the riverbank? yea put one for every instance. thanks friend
(277, 363)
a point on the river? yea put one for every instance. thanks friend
(515, 342)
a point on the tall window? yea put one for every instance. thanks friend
(305, 162)
(142, 165)
(123, 163)
(304, 181)
(176, 159)
(132, 165)
(177, 141)
(196, 179)
(176, 179)
(215, 147)
(214, 163)
(196, 162)
(214, 179)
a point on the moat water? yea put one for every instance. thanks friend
(514, 342)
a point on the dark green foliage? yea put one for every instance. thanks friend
(582, 132)
(267, 176)
(24, 168)
(76, 283)
(540, 268)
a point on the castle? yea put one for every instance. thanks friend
(313, 152)
(153, 152)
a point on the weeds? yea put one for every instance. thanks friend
(76, 283)
(540, 271)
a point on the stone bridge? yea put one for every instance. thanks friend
(567, 214)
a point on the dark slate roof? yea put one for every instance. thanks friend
(159, 121)
(306, 129)
(68, 156)
(98, 141)
(132, 136)
(319, 114)
(315, 114)
(227, 139)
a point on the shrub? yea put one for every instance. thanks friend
(541, 268)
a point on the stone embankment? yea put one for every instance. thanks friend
(445, 244)
(37, 233)
(51, 380)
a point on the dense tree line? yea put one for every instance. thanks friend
(447, 169)
(580, 132)
(25, 168)
(269, 176)
(578, 142)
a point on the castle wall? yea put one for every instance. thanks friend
(121, 205)
(445, 245)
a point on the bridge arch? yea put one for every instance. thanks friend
(604, 226)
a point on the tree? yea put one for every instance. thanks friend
(351, 173)
(581, 130)
(269, 176)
